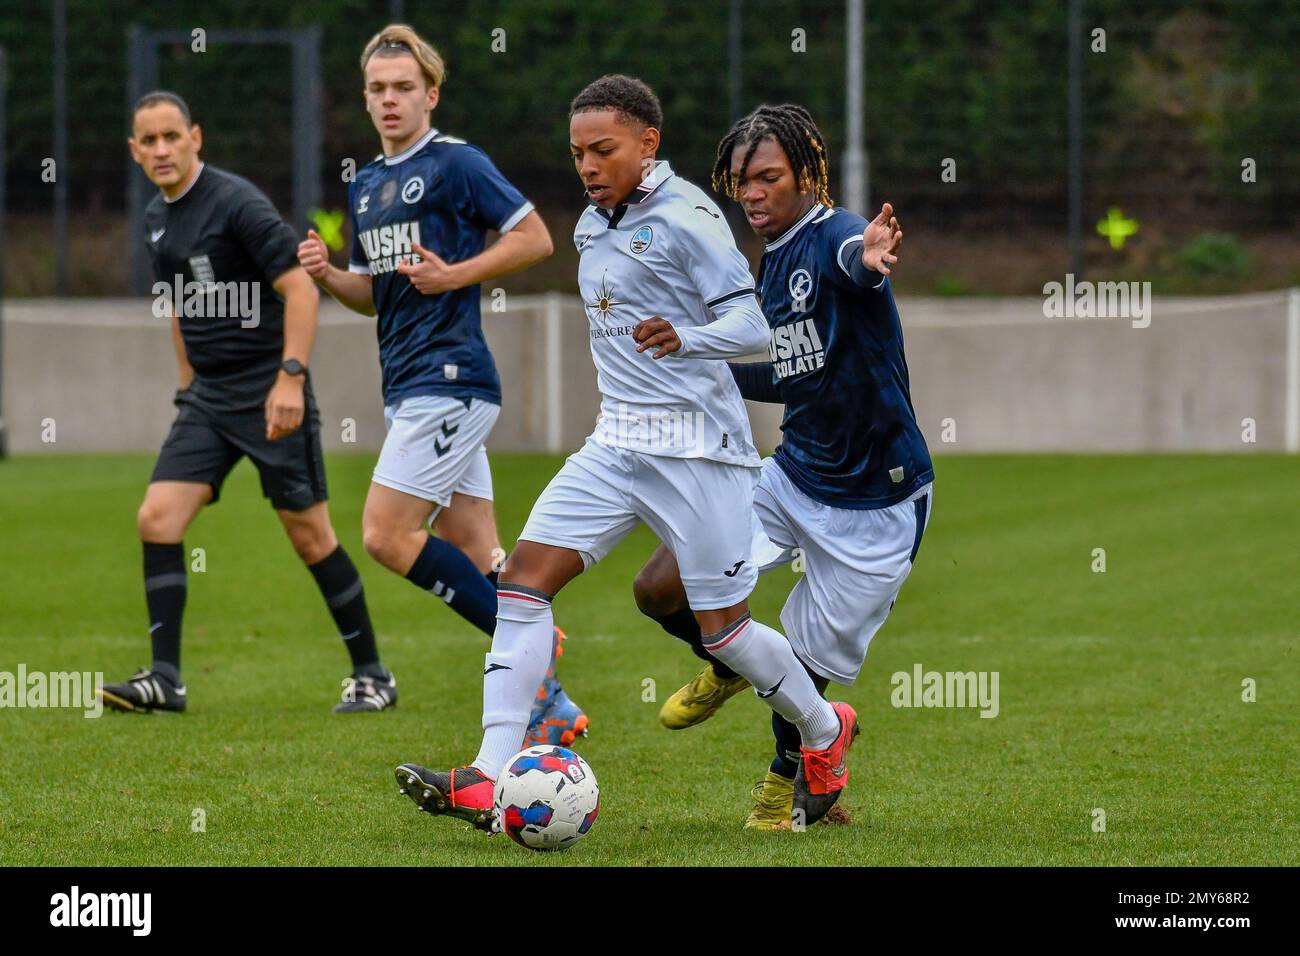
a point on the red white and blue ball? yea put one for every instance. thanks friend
(546, 798)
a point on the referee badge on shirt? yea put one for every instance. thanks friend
(412, 190)
(641, 240)
(201, 267)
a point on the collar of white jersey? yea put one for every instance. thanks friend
(661, 173)
(411, 150)
(816, 210)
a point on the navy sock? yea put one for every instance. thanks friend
(683, 626)
(164, 595)
(340, 585)
(446, 571)
(786, 761)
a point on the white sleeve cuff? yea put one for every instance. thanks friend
(361, 270)
(515, 218)
(854, 251)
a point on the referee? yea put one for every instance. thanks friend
(243, 319)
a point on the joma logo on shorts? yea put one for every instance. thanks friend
(796, 348)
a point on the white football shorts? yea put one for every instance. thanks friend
(853, 565)
(702, 510)
(434, 448)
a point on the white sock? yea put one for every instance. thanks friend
(764, 658)
(521, 652)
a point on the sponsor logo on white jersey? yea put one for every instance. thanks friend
(602, 300)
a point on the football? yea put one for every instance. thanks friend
(546, 798)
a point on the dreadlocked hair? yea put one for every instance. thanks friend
(794, 131)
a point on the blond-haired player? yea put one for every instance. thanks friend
(420, 216)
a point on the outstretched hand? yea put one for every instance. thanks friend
(880, 240)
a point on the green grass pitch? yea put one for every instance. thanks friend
(1119, 691)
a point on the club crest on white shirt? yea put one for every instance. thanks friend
(641, 240)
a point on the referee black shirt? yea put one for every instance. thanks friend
(223, 230)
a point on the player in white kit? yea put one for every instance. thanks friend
(667, 294)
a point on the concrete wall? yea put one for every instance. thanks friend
(1006, 377)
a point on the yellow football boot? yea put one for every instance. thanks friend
(773, 803)
(699, 700)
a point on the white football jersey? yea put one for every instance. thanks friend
(666, 251)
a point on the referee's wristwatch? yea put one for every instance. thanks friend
(293, 367)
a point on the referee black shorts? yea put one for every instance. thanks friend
(205, 444)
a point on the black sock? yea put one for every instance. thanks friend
(683, 626)
(164, 595)
(340, 584)
(786, 761)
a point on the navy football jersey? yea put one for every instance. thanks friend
(444, 195)
(849, 433)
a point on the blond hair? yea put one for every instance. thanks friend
(398, 39)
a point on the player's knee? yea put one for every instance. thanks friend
(156, 523)
(653, 593)
(376, 542)
(386, 546)
(311, 543)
